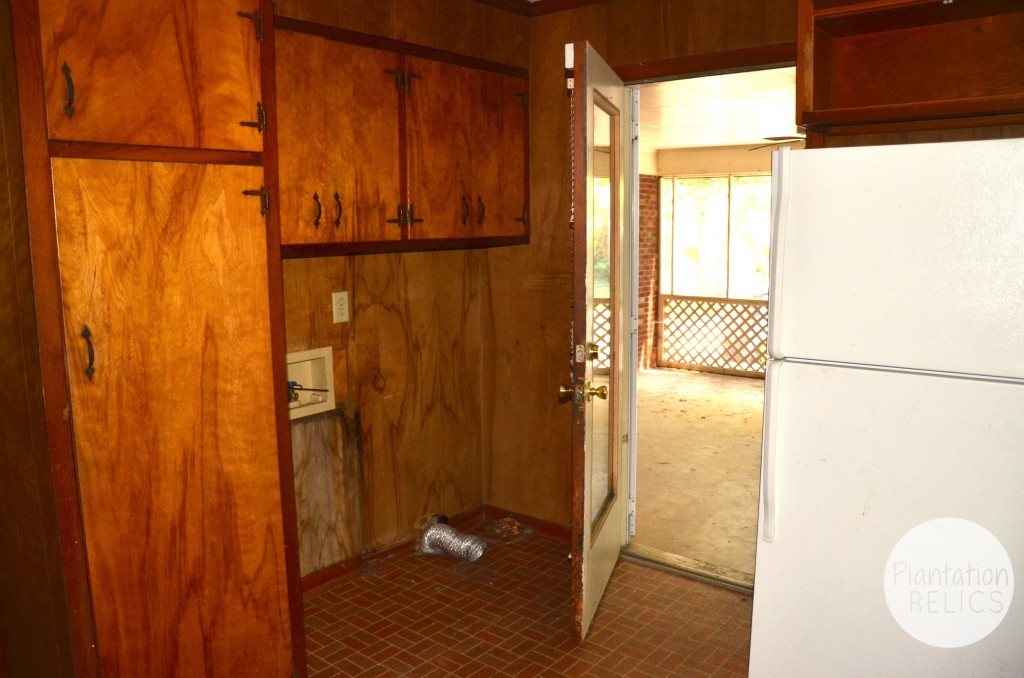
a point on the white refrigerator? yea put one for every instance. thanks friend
(891, 523)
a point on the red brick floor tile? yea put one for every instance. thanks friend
(508, 615)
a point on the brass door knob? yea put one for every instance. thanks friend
(600, 391)
(566, 393)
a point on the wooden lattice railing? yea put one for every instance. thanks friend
(719, 335)
(602, 334)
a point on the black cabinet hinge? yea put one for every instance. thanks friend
(403, 79)
(257, 22)
(264, 197)
(260, 123)
(402, 219)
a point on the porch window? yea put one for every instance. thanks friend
(715, 234)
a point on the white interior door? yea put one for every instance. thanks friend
(601, 133)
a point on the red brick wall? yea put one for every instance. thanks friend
(650, 206)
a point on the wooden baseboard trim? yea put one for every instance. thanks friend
(316, 582)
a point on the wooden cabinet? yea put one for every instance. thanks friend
(882, 61)
(163, 274)
(466, 152)
(417, 149)
(338, 136)
(155, 72)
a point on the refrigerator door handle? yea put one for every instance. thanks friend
(768, 452)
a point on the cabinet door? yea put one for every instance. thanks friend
(442, 142)
(154, 72)
(466, 152)
(174, 426)
(362, 138)
(338, 137)
(501, 160)
(301, 138)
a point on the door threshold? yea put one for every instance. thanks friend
(688, 567)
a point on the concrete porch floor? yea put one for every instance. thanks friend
(698, 465)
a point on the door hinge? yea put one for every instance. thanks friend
(257, 22)
(399, 78)
(402, 219)
(264, 197)
(405, 216)
(260, 123)
(403, 80)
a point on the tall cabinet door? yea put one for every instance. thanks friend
(155, 72)
(441, 114)
(501, 155)
(362, 136)
(467, 151)
(163, 272)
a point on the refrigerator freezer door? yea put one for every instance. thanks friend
(855, 459)
(905, 256)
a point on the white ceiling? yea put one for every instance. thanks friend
(719, 110)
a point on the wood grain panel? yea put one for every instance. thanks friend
(415, 362)
(341, 13)
(641, 29)
(363, 160)
(440, 137)
(330, 145)
(464, 26)
(416, 22)
(303, 156)
(379, 18)
(328, 489)
(175, 433)
(527, 319)
(156, 73)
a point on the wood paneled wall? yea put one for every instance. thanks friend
(453, 359)
(410, 364)
(34, 632)
(460, 26)
(527, 469)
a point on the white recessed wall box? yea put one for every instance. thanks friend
(310, 382)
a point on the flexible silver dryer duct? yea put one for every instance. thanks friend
(443, 538)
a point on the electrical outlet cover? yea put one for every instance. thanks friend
(339, 303)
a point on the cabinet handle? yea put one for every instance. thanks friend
(87, 335)
(465, 210)
(482, 210)
(319, 210)
(522, 218)
(69, 109)
(337, 201)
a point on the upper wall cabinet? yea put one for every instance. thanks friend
(338, 136)
(153, 72)
(877, 61)
(466, 152)
(384, 147)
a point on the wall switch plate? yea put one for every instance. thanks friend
(339, 302)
